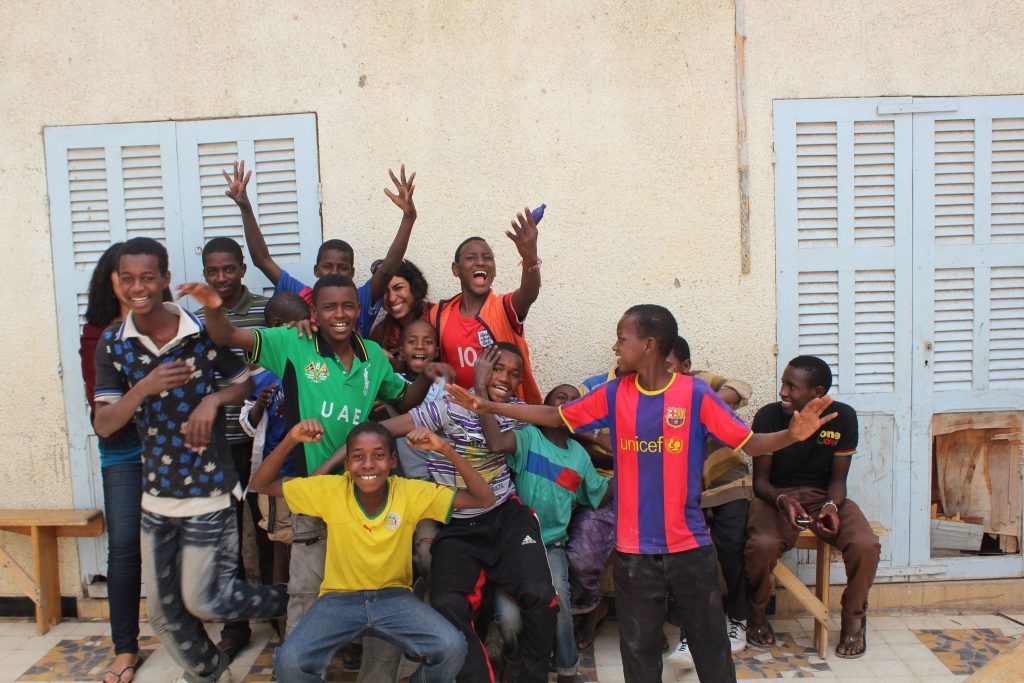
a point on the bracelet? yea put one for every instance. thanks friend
(832, 503)
(531, 269)
(778, 499)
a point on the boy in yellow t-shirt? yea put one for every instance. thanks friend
(370, 518)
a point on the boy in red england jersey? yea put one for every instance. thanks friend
(477, 317)
(659, 424)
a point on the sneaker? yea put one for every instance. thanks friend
(681, 656)
(737, 634)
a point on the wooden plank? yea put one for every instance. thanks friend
(62, 518)
(951, 535)
(1005, 481)
(19, 575)
(47, 577)
(947, 423)
(802, 594)
(821, 588)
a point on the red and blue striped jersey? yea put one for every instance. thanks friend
(658, 440)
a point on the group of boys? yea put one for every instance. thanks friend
(493, 512)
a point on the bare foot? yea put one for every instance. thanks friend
(590, 622)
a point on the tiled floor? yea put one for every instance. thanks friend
(933, 648)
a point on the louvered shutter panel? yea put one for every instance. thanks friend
(843, 209)
(971, 176)
(284, 189)
(843, 228)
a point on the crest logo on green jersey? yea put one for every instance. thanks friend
(317, 372)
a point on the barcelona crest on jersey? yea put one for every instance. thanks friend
(675, 417)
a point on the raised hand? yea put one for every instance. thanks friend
(204, 294)
(809, 420)
(237, 184)
(405, 187)
(483, 367)
(524, 234)
(307, 431)
(462, 397)
(165, 377)
(423, 438)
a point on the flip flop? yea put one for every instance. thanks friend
(753, 631)
(864, 639)
(120, 674)
(584, 640)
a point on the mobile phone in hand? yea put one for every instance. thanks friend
(803, 521)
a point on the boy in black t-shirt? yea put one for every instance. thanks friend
(807, 481)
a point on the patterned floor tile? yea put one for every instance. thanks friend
(81, 659)
(790, 657)
(964, 651)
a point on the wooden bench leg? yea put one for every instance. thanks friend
(47, 577)
(821, 590)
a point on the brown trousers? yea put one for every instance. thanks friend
(770, 535)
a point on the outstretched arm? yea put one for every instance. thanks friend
(218, 326)
(266, 479)
(540, 415)
(803, 425)
(257, 245)
(417, 391)
(477, 493)
(393, 259)
(524, 235)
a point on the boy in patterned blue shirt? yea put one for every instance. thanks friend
(159, 366)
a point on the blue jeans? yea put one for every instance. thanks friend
(122, 503)
(394, 615)
(510, 621)
(191, 571)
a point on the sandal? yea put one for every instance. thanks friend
(586, 633)
(119, 675)
(761, 635)
(848, 639)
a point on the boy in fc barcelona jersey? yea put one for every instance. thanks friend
(659, 423)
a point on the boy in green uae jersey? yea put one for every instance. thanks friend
(334, 377)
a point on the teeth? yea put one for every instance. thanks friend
(368, 476)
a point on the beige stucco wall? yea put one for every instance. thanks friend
(620, 116)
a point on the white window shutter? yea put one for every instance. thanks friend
(281, 152)
(971, 171)
(843, 208)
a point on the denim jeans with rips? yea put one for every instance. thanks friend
(190, 565)
(393, 615)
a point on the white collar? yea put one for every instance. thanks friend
(188, 325)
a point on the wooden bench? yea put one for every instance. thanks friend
(817, 602)
(44, 527)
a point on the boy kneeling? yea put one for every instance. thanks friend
(370, 518)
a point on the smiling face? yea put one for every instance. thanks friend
(475, 267)
(629, 347)
(506, 376)
(142, 282)
(334, 262)
(796, 391)
(224, 273)
(337, 310)
(369, 461)
(398, 300)
(419, 345)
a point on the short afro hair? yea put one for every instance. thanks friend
(223, 245)
(371, 428)
(145, 246)
(335, 245)
(681, 349)
(817, 370)
(333, 280)
(656, 322)
(287, 307)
